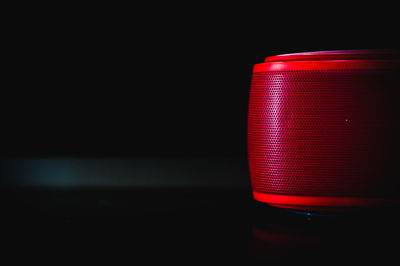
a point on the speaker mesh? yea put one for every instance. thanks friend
(320, 133)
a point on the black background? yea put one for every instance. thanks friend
(100, 80)
(154, 82)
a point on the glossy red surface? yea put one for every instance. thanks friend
(324, 127)
(326, 65)
(321, 203)
(338, 55)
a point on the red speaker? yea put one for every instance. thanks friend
(323, 130)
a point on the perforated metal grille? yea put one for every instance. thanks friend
(320, 133)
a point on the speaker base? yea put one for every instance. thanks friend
(330, 204)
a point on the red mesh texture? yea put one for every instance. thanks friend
(323, 133)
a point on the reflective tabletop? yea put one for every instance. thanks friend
(186, 226)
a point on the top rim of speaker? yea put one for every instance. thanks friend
(337, 55)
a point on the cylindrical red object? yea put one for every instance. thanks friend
(323, 129)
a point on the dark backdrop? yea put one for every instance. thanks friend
(100, 101)
(154, 81)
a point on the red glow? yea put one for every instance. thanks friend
(324, 65)
(312, 203)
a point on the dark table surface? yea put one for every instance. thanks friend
(185, 226)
